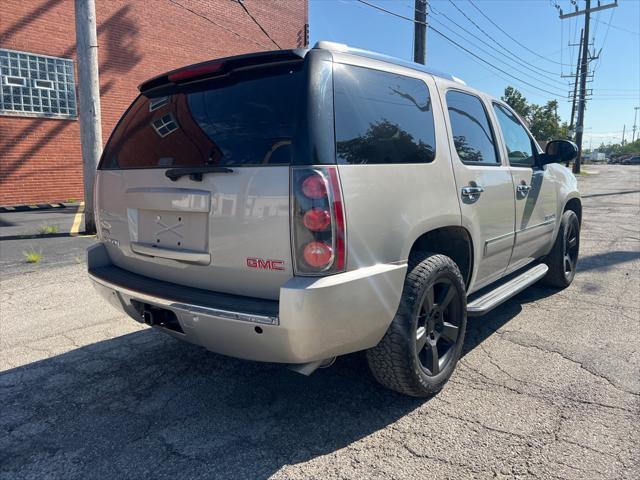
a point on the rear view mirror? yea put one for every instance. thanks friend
(559, 151)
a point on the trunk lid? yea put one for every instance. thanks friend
(193, 186)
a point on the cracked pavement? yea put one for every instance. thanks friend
(549, 385)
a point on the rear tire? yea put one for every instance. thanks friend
(419, 351)
(563, 258)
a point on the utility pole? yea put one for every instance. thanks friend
(420, 32)
(635, 116)
(575, 83)
(624, 127)
(89, 90)
(584, 67)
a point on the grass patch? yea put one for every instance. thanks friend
(31, 256)
(71, 200)
(47, 229)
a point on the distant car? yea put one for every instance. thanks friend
(635, 160)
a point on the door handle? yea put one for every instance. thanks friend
(523, 188)
(472, 192)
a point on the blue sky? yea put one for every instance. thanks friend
(534, 23)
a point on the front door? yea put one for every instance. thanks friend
(484, 185)
(534, 190)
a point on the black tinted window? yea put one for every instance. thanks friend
(518, 142)
(250, 119)
(381, 117)
(470, 128)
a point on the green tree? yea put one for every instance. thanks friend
(543, 121)
(517, 101)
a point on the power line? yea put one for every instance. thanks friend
(606, 34)
(512, 38)
(219, 25)
(392, 13)
(499, 59)
(555, 94)
(244, 7)
(618, 28)
(516, 59)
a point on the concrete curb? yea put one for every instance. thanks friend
(39, 206)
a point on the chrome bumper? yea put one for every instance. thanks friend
(317, 318)
(185, 307)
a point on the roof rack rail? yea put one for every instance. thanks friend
(344, 48)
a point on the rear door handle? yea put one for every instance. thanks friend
(523, 188)
(472, 192)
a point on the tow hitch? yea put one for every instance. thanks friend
(157, 317)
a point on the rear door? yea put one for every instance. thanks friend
(534, 188)
(193, 187)
(484, 185)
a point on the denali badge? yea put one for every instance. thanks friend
(265, 264)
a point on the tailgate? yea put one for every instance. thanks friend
(193, 187)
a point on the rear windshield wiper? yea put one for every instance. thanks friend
(195, 173)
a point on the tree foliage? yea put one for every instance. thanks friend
(543, 120)
(614, 149)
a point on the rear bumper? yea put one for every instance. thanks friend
(314, 319)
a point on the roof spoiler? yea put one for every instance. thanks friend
(218, 67)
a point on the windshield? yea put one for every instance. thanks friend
(248, 119)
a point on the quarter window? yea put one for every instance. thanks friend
(471, 130)
(381, 117)
(520, 148)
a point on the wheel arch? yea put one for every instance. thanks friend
(455, 242)
(574, 204)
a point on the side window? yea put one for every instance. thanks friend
(472, 134)
(519, 145)
(381, 117)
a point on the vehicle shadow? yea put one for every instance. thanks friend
(480, 328)
(145, 405)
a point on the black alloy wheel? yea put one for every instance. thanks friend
(563, 257)
(419, 351)
(571, 247)
(438, 326)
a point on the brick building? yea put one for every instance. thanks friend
(40, 158)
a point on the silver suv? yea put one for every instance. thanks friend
(294, 206)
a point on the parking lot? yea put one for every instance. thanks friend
(549, 385)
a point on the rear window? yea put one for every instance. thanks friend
(250, 119)
(471, 130)
(381, 117)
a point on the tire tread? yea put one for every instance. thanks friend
(391, 361)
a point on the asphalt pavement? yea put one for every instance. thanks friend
(548, 387)
(23, 231)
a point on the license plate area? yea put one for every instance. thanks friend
(170, 229)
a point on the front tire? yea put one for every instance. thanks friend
(419, 351)
(563, 258)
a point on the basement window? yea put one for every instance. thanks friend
(36, 85)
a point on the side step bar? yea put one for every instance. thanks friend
(492, 299)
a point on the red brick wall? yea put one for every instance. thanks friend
(40, 159)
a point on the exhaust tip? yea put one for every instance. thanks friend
(307, 369)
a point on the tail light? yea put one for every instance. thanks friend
(194, 71)
(317, 221)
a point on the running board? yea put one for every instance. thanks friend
(504, 292)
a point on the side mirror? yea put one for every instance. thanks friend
(559, 151)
